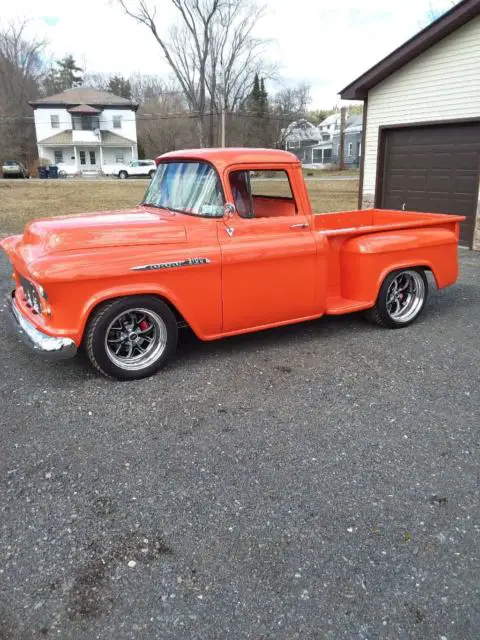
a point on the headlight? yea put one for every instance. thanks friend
(35, 296)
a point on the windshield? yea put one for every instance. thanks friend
(187, 187)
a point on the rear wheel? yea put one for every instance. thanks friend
(131, 338)
(151, 174)
(401, 299)
(123, 175)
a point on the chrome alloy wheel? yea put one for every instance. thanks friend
(405, 296)
(135, 339)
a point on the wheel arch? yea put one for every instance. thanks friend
(401, 266)
(109, 296)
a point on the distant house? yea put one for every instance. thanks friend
(327, 150)
(352, 142)
(300, 135)
(85, 129)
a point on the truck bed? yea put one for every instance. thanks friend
(374, 220)
(362, 249)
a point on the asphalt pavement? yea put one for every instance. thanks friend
(315, 481)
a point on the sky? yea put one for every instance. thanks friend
(327, 43)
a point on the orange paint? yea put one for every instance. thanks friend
(283, 266)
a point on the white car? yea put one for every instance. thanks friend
(136, 168)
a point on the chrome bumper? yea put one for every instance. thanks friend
(48, 346)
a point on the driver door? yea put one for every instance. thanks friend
(268, 254)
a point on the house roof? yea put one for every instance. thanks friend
(333, 118)
(84, 96)
(301, 130)
(449, 22)
(65, 138)
(84, 108)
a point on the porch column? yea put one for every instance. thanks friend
(101, 158)
(133, 153)
(76, 157)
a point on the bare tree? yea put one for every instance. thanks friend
(21, 72)
(187, 47)
(290, 103)
(211, 51)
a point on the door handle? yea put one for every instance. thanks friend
(299, 225)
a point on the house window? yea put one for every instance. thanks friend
(317, 155)
(359, 149)
(117, 122)
(55, 121)
(86, 123)
(350, 149)
(119, 157)
(295, 144)
(93, 159)
(327, 155)
(58, 156)
(82, 157)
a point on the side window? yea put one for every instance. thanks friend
(262, 194)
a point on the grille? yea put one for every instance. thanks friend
(30, 295)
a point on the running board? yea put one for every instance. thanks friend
(336, 306)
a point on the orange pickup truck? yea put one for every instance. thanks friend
(225, 242)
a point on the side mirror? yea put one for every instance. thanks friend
(228, 210)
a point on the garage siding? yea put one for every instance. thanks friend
(441, 84)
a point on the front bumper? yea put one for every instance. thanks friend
(48, 346)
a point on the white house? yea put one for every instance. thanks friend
(86, 129)
(421, 148)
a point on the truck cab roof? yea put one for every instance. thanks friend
(224, 157)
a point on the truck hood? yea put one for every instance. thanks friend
(106, 229)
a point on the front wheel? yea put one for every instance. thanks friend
(401, 299)
(151, 175)
(131, 338)
(123, 175)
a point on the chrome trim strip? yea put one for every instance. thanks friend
(189, 262)
(39, 342)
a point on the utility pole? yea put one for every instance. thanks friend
(223, 124)
(341, 151)
(224, 100)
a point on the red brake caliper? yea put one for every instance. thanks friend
(143, 325)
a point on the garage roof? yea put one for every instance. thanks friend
(449, 22)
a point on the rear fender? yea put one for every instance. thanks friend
(367, 260)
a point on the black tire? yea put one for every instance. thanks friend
(388, 311)
(123, 175)
(99, 327)
(152, 174)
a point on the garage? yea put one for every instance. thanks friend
(421, 122)
(431, 168)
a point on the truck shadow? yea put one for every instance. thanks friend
(440, 304)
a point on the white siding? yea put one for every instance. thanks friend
(128, 128)
(43, 125)
(441, 84)
(110, 154)
(44, 128)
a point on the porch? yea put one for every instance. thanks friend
(87, 157)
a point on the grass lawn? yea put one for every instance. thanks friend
(23, 200)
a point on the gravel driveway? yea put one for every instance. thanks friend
(315, 481)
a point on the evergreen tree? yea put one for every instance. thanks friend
(65, 75)
(263, 98)
(120, 86)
